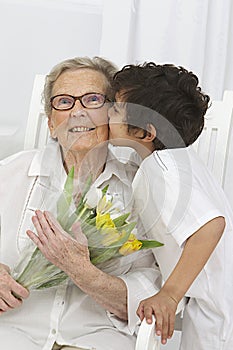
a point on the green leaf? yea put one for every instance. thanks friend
(102, 255)
(127, 227)
(69, 185)
(54, 281)
(121, 220)
(65, 199)
(29, 266)
(150, 244)
(104, 190)
(81, 204)
(82, 200)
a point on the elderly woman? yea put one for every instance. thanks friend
(96, 308)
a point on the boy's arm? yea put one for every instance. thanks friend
(196, 253)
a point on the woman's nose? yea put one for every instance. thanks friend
(78, 104)
(77, 109)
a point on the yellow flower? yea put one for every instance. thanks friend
(104, 221)
(108, 230)
(131, 245)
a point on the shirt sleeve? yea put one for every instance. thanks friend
(142, 281)
(175, 200)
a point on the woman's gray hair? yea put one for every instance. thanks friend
(98, 64)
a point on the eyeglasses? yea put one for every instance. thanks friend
(65, 102)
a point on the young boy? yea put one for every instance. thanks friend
(159, 111)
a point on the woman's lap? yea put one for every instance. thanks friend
(62, 347)
(12, 339)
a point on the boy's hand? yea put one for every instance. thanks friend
(163, 306)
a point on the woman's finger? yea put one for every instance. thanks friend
(54, 224)
(35, 239)
(46, 230)
(40, 234)
(4, 306)
(4, 267)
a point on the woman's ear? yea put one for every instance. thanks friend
(51, 128)
(151, 133)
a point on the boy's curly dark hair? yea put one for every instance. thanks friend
(175, 103)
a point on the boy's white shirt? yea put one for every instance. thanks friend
(174, 196)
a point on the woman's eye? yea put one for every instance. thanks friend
(65, 101)
(93, 98)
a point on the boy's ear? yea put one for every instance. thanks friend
(151, 133)
(51, 128)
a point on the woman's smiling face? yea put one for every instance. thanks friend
(79, 129)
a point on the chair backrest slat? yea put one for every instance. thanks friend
(213, 143)
(37, 131)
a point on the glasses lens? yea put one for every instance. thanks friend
(62, 102)
(93, 100)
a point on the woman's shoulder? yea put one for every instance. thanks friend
(13, 172)
(18, 159)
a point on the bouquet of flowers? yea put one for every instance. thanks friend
(109, 235)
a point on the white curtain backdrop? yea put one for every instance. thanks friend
(196, 34)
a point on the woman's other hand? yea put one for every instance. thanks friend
(11, 292)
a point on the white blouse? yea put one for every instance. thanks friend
(33, 180)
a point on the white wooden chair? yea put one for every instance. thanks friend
(37, 132)
(213, 143)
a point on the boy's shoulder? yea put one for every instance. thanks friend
(169, 159)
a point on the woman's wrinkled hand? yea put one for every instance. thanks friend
(11, 292)
(163, 307)
(59, 247)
